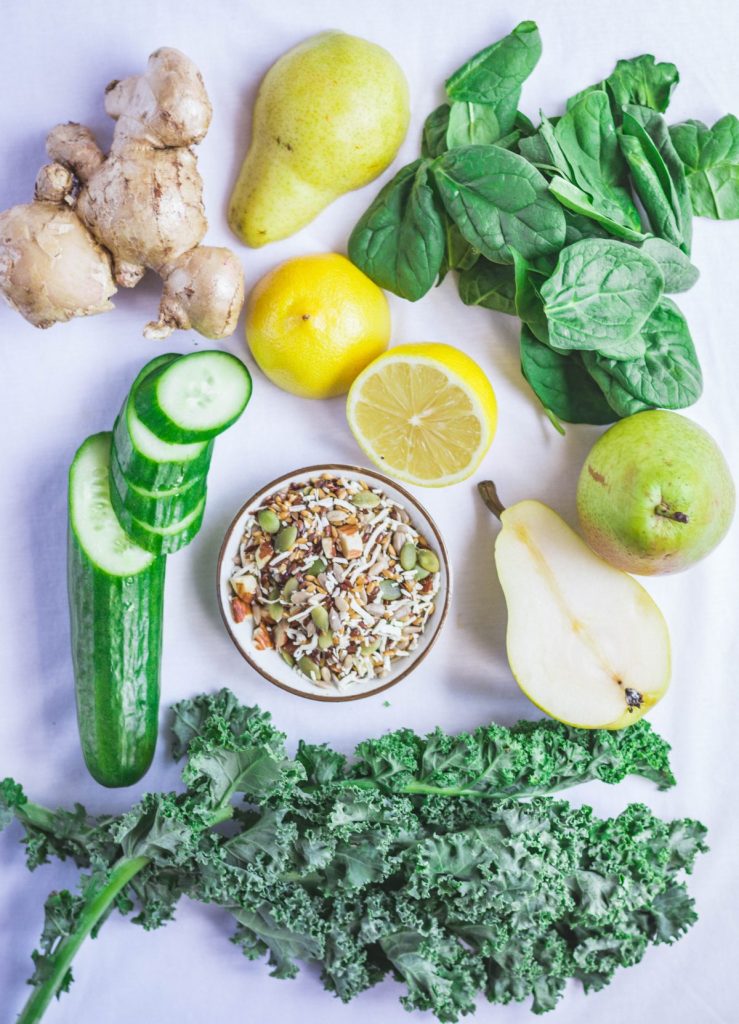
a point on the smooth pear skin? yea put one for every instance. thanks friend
(329, 117)
(655, 494)
(586, 643)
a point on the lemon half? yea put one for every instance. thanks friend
(424, 413)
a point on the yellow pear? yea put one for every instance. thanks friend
(586, 643)
(329, 117)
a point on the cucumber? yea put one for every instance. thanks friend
(144, 458)
(159, 540)
(155, 508)
(193, 398)
(115, 599)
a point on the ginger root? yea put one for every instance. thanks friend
(139, 208)
(51, 268)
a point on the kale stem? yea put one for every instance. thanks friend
(120, 876)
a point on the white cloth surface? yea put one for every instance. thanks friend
(61, 385)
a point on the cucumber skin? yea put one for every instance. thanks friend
(147, 538)
(146, 402)
(147, 473)
(150, 509)
(116, 627)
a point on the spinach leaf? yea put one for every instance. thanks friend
(528, 301)
(638, 80)
(582, 152)
(475, 124)
(399, 241)
(642, 81)
(658, 173)
(433, 140)
(524, 125)
(677, 270)
(509, 141)
(479, 124)
(711, 160)
(586, 150)
(577, 201)
(458, 253)
(667, 376)
(491, 285)
(535, 150)
(599, 296)
(578, 227)
(562, 384)
(485, 91)
(495, 75)
(499, 202)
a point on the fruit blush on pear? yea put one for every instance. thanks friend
(655, 494)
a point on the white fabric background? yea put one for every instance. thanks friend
(59, 386)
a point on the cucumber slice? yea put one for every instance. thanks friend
(160, 540)
(194, 398)
(156, 508)
(115, 598)
(144, 458)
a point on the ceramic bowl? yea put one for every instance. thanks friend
(268, 663)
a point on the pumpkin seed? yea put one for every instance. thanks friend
(285, 539)
(390, 590)
(408, 556)
(371, 647)
(275, 611)
(268, 520)
(308, 667)
(428, 560)
(289, 588)
(320, 617)
(316, 568)
(287, 658)
(325, 640)
(421, 574)
(365, 499)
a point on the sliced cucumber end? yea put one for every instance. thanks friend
(91, 515)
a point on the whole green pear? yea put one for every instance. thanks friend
(329, 117)
(655, 494)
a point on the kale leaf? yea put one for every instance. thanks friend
(436, 859)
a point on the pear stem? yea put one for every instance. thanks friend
(666, 512)
(489, 495)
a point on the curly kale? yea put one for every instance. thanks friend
(440, 860)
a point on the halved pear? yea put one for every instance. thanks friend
(586, 643)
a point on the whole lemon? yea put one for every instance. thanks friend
(314, 323)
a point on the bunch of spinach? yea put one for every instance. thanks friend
(579, 227)
(439, 860)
